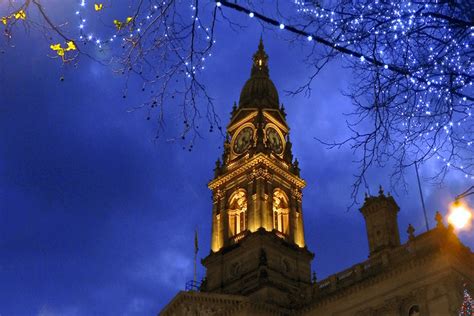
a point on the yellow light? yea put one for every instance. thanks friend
(460, 216)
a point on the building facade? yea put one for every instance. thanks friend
(259, 263)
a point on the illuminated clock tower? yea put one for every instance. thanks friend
(258, 247)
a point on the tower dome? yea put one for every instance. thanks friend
(259, 90)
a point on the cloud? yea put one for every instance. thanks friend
(171, 269)
(48, 310)
(138, 306)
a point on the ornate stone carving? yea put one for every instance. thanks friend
(218, 194)
(256, 162)
(260, 173)
(296, 194)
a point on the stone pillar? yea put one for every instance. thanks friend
(225, 220)
(251, 210)
(259, 202)
(266, 203)
(268, 210)
(292, 217)
(299, 234)
(215, 242)
(301, 241)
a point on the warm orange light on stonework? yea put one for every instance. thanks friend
(460, 216)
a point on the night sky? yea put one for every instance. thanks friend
(97, 217)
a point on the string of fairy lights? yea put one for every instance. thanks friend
(83, 9)
(129, 28)
(435, 69)
(139, 35)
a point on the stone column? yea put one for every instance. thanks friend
(224, 220)
(251, 210)
(215, 242)
(292, 217)
(217, 220)
(260, 202)
(299, 237)
(268, 205)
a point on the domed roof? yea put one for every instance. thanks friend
(259, 90)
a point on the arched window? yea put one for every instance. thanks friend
(281, 212)
(237, 212)
(414, 311)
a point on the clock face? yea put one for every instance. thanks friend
(275, 141)
(243, 140)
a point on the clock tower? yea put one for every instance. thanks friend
(258, 247)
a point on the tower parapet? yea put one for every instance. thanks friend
(380, 214)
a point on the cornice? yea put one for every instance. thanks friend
(259, 158)
(389, 272)
(255, 237)
(213, 298)
(228, 303)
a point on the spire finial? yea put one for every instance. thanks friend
(260, 61)
(234, 109)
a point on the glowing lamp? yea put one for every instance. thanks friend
(460, 216)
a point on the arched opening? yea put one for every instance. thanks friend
(237, 212)
(414, 311)
(281, 212)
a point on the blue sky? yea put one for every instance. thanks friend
(97, 217)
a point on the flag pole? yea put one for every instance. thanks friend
(196, 248)
(421, 196)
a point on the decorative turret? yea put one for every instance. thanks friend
(260, 61)
(380, 214)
